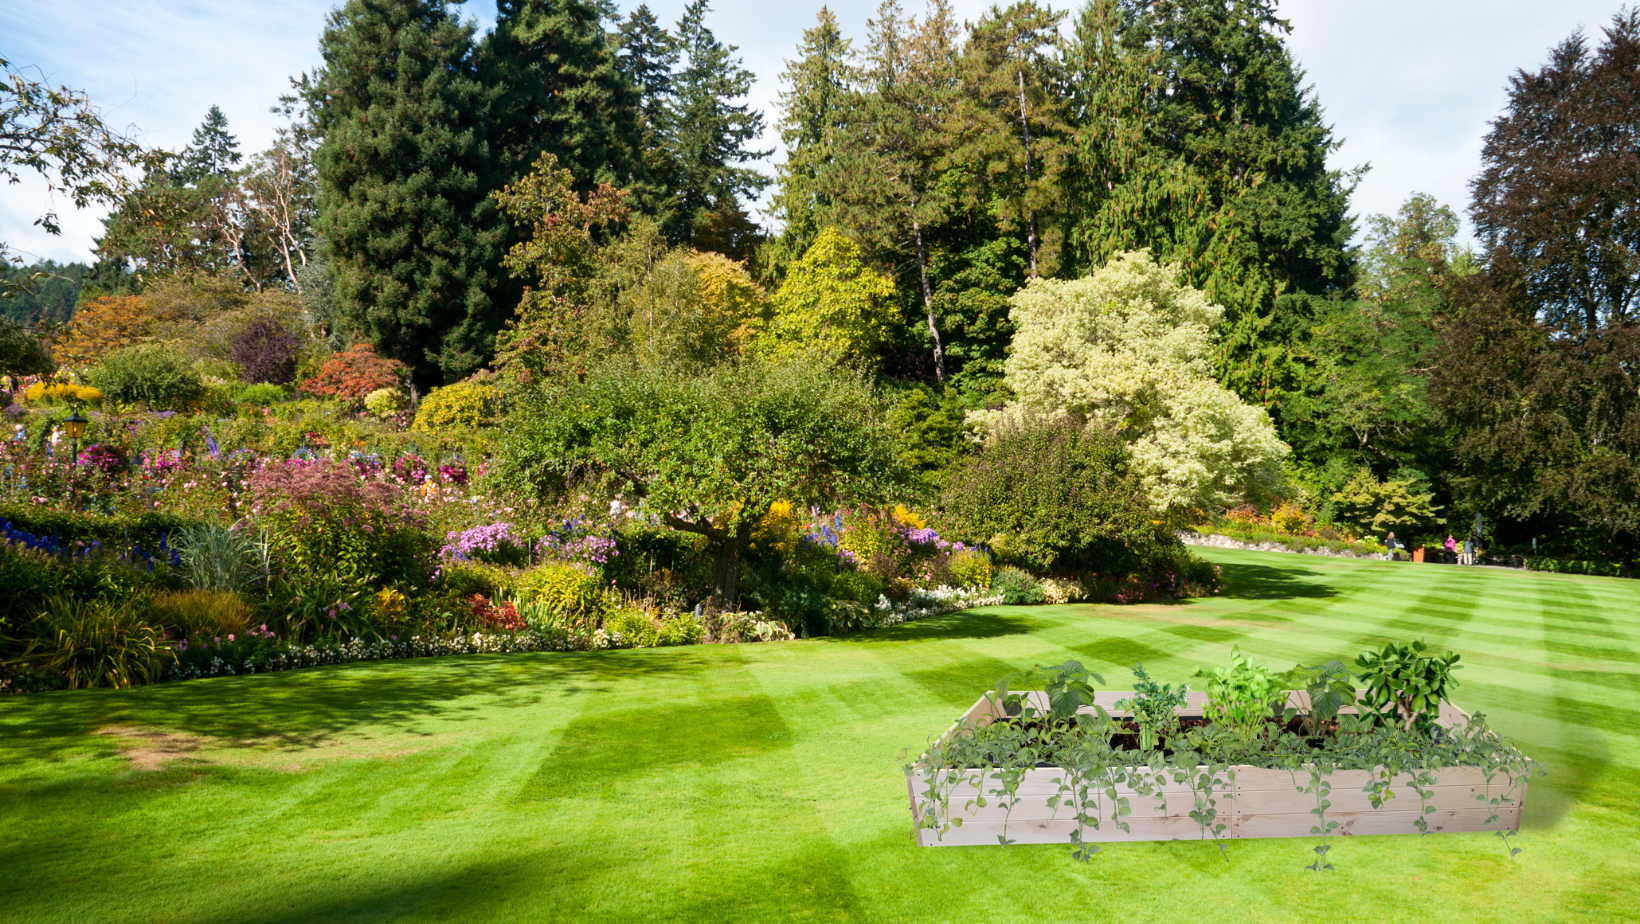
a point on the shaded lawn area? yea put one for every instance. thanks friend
(763, 782)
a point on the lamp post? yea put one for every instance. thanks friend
(74, 426)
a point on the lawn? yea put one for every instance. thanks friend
(763, 782)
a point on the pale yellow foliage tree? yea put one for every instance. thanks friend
(1128, 347)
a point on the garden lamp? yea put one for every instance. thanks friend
(74, 426)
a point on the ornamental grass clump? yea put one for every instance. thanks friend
(96, 643)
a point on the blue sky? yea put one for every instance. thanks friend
(1410, 86)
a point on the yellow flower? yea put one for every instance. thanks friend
(906, 518)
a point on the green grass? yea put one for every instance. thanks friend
(763, 783)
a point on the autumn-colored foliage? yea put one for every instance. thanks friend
(103, 325)
(355, 373)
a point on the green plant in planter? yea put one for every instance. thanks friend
(1065, 685)
(1154, 707)
(1404, 686)
(1331, 688)
(1243, 696)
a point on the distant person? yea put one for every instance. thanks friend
(1468, 552)
(1451, 546)
(1389, 546)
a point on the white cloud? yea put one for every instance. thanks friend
(1410, 86)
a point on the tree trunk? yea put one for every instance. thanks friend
(928, 300)
(1030, 172)
(726, 570)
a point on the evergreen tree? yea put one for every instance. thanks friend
(412, 238)
(710, 132)
(558, 90)
(814, 113)
(887, 179)
(648, 55)
(1012, 121)
(1219, 163)
(213, 151)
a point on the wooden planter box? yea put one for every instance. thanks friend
(1260, 803)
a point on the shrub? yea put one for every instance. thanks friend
(634, 625)
(354, 373)
(503, 616)
(266, 352)
(462, 406)
(386, 403)
(55, 392)
(1016, 586)
(205, 613)
(681, 629)
(971, 568)
(259, 395)
(326, 522)
(1051, 494)
(862, 587)
(1291, 518)
(571, 592)
(466, 578)
(153, 374)
(1062, 590)
(96, 643)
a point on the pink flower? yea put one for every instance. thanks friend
(230, 636)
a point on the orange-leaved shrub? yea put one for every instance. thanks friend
(355, 373)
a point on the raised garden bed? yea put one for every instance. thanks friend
(973, 807)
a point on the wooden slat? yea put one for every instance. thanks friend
(1382, 821)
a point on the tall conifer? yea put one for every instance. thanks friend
(712, 133)
(815, 110)
(1230, 178)
(558, 90)
(412, 238)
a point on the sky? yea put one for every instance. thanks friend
(1408, 85)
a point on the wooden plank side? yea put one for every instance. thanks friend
(1382, 821)
(1442, 798)
(1256, 778)
(985, 833)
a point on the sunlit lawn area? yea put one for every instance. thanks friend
(763, 782)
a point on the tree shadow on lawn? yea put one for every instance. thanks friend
(298, 709)
(1245, 581)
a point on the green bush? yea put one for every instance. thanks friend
(466, 578)
(96, 643)
(1017, 587)
(1569, 566)
(634, 625)
(385, 402)
(152, 374)
(570, 592)
(214, 557)
(462, 406)
(1055, 495)
(681, 629)
(859, 586)
(146, 530)
(971, 568)
(261, 394)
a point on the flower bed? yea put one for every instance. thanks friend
(1475, 781)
